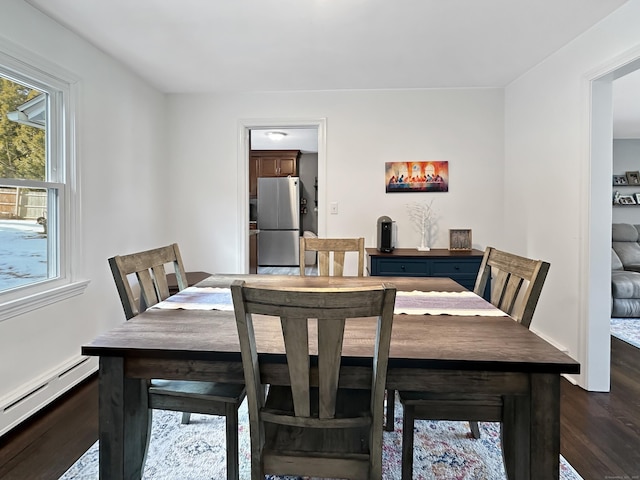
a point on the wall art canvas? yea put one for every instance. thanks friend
(417, 177)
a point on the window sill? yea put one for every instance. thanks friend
(28, 303)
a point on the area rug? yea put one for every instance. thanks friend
(443, 450)
(627, 330)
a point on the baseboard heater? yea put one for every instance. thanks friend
(23, 402)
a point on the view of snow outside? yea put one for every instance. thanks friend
(23, 253)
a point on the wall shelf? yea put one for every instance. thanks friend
(628, 199)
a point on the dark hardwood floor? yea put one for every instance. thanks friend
(45, 446)
(600, 432)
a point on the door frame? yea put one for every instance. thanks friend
(594, 352)
(244, 127)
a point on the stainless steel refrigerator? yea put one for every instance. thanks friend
(279, 221)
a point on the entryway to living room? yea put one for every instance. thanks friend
(625, 217)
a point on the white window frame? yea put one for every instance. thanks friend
(25, 68)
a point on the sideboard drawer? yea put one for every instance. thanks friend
(454, 267)
(461, 267)
(401, 267)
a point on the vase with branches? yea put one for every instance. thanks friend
(423, 217)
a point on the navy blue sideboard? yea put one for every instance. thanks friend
(461, 266)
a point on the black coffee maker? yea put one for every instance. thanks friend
(385, 235)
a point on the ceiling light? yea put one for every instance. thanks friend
(276, 135)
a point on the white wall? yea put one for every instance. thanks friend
(123, 191)
(626, 158)
(365, 129)
(558, 196)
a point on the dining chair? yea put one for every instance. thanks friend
(212, 398)
(331, 254)
(311, 426)
(516, 284)
(325, 247)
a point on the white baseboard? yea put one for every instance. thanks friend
(23, 402)
(562, 348)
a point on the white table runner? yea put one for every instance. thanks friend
(411, 303)
(199, 298)
(444, 303)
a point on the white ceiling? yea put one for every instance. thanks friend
(281, 45)
(227, 45)
(303, 139)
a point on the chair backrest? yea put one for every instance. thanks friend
(516, 285)
(336, 246)
(149, 269)
(314, 407)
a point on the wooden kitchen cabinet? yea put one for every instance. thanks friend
(279, 166)
(271, 163)
(269, 166)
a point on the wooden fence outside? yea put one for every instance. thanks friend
(22, 203)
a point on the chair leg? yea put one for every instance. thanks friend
(408, 420)
(186, 416)
(475, 429)
(233, 467)
(391, 402)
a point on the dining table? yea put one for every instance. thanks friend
(445, 339)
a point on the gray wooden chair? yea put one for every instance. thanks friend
(515, 289)
(331, 252)
(312, 427)
(176, 395)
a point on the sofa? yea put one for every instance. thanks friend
(625, 270)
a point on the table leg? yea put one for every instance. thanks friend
(545, 426)
(515, 433)
(530, 431)
(125, 422)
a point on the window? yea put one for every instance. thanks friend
(26, 193)
(37, 193)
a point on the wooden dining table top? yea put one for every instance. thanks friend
(448, 342)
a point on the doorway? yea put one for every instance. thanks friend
(307, 136)
(595, 331)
